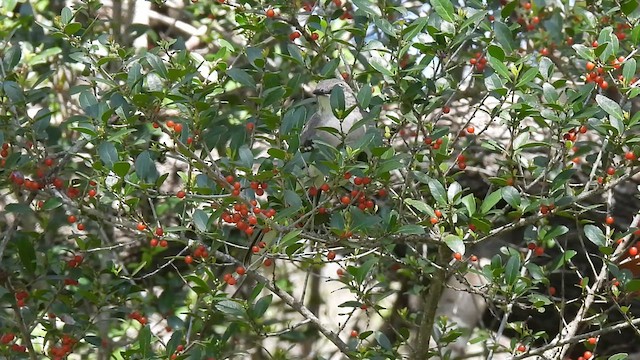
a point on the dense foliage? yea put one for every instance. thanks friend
(155, 201)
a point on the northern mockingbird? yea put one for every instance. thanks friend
(325, 118)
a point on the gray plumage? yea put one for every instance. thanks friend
(324, 117)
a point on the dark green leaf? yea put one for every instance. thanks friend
(438, 192)
(512, 269)
(262, 305)
(146, 167)
(27, 253)
(512, 196)
(629, 70)
(611, 107)
(364, 96)
(108, 154)
(200, 220)
(242, 77)
(454, 243)
(595, 235)
(445, 9)
(144, 340)
(13, 91)
(383, 340)
(490, 201)
(411, 230)
(158, 65)
(504, 36)
(369, 7)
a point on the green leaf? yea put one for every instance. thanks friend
(454, 243)
(158, 65)
(595, 235)
(611, 107)
(584, 52)
(230, 307)
(108, 154)
(200, 220)
(490, 201)
(621, 356)
(369, 7)
(66, 16)
(13, 91)
(262, 305)
(383, 341)
(146, 167)
(454, 191)
(527, 77)
(242, 77)
(364, 96)
(420, 206)
(445, 9)
(504, 36)
(411, 230)
(499, 67)
(629, 70)
(469, 202)
(380, 67)
(290, 238)
(512, 269)
(72, 28)
(438, 192)
(512, 196)
(52, 203)
(562, 259)
(144, 340)
(121, 168)
(27, 253)
(336, 99)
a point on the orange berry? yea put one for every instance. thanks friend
(270, 13)
(590, 66)
(471, 130)
(457, 256)
(141, 226)
(609, 220)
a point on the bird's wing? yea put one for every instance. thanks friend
(309, 130)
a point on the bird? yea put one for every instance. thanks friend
(325, 118)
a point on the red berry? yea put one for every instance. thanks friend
(629, 155)
(633, 251)
(250, 126)
(141, 226)
(324, 187)
(345, 76)
(471, 130)
(294, 35)
(71, 219)
(240, 270)
(255, 249)
(270, 13)
(315, 36)
(446, 110)
(80, 227)
(346, 200)
(609, 220)
(331, 255)
(539, 250)
(433, 220)
(592, 340)
(164, 243)
(153, 242)
(159, 231)
(522, 348)
(188, 259)
(181, 194)
(457, 256)
(438, 213)
(177, 128)
(527, 6)
(587, 355)
(590, 66)
(354, 334)
(92, 192)
(267, 262)
(611, 171)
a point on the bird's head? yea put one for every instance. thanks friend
(325, 86)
